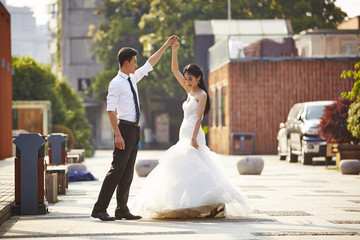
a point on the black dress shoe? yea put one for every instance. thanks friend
(103, 216)
(127, 216)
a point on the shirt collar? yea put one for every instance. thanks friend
(120, 73)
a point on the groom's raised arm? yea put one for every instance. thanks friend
(157, 55)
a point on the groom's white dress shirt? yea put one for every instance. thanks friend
(120, 97)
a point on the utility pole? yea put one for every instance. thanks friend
(229, 9)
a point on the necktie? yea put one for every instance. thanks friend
(135, 100)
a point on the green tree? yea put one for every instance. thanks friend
(145, 25)
(34, 81)
(354, 109)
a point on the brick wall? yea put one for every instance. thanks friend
(261, 93)
(5, 85)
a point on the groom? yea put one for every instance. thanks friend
(123, 98)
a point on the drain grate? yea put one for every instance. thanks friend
(229, 220)
(283, 213)
(327, 195)
(345, 221)
(254, 196)
(328, 191)
(352, 210)
(69, 235)
(305, 233)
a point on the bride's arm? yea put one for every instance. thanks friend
(199, 116)
(175, 66)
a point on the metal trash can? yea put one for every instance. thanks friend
(29, 174)
(57, 149)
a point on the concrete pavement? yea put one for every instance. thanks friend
(292, 201)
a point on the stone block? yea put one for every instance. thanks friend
(250, 166)
(51, 187)
(350, 166)
(77, 167)
(144, 167)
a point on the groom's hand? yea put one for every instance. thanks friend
(119, 142)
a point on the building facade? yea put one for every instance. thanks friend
(27, 38)
(5, 84)
(72, 56)
(257, 73)
(251, 98)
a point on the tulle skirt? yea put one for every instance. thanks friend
(188, 183)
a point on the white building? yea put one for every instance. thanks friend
(27, 38)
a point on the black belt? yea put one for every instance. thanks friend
(129, 123)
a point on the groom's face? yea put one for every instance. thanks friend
(132, 65)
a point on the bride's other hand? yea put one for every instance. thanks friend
(175, 45)
(194, 143)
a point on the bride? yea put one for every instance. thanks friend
(189, 180)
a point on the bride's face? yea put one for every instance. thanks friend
(191, 80)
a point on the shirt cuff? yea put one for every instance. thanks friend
(146, 68)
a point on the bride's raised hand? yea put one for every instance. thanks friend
(175, 45)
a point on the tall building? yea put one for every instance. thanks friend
(72, 56)
(27, 38)
(70, 44)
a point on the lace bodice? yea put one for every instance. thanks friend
(190, 107)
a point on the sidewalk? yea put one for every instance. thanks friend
(292, 201)
(7, 188)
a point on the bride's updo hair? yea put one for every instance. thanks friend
(196, 71)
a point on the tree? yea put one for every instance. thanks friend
(145, 25)
(34, 81)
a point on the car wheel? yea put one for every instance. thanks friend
(291, 157)
(307, 158)
(282, 157)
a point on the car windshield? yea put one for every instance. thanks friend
(314, 112)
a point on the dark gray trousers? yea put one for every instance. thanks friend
(121, 172)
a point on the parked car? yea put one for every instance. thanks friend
(299, 135)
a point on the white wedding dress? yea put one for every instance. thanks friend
(189, 182)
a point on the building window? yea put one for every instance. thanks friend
(213, 107)
(81, 50)
(82, 4)
(222, 107)
(83, 83)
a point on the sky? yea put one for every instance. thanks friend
(351, 7)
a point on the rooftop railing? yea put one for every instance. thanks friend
(257, 47)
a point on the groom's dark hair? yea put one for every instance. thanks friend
(126, 54)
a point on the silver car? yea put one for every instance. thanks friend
(299, 135)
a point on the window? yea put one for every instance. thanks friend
(219, 106)
(213, 107)
(83, 83)
(81, 50)
(82, 4)
(223, 106)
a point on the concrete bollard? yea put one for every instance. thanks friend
(350, 166)
(144, 167)
(250, 166)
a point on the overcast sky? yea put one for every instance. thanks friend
(351, 7)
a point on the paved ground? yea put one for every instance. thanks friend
(292, 201)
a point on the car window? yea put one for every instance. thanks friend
(314, 112)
